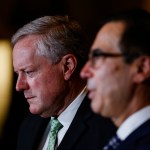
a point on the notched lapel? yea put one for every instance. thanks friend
(77, 128)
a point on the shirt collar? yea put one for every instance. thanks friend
(66, 117)
(133, 122)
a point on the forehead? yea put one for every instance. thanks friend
(108, 37)
(24, 53)
(23, 48)
(27, 41)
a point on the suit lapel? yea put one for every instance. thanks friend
(138, 135)
(77, 127)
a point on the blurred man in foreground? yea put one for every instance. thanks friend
(118, 73)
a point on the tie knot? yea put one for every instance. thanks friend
(113, 143)
(55, 124)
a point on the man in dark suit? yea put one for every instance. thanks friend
(118, 73)
(48, 54)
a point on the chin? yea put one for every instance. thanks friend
(95, 108)
(98, 109)
(34, 110)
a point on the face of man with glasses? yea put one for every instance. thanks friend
(110, 79)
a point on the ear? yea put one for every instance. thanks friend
(69, 65)
(143, 69)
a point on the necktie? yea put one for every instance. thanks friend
(113, 143)
(55, 127)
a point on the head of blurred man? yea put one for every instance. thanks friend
(118, 69)
(48, 54)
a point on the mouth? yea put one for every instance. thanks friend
(91, 94)
(91, 86)
(29, 98)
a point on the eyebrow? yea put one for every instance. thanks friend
(99, 52)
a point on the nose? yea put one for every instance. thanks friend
(22, 83)
(86, 71)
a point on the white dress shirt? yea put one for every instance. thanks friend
(65, 118)
(133, 122)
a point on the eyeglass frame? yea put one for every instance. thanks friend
(99, 53)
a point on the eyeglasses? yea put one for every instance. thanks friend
(98, 53)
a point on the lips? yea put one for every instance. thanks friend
(30, 99)
(91, 88)
(29, 96)
(91, 94)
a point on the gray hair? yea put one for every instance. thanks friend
(57, 36)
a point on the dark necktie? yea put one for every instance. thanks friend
(113, 143)
(55, 127)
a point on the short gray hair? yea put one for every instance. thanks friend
(57, 36)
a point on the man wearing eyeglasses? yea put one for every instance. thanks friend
(118, 78)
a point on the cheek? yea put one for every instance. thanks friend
(109, 81)
(39, 86)
(50, 85)
(109, 76)
(103, 79)
(36, 84)
(114, 83)
(96, 104)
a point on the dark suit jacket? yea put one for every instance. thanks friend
(87, 131)
(138, 140)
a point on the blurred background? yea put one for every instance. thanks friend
(13, 15)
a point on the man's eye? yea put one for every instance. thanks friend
(29, 73)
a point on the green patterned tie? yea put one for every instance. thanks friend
(55, 127)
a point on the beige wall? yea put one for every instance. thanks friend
(6, 78)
